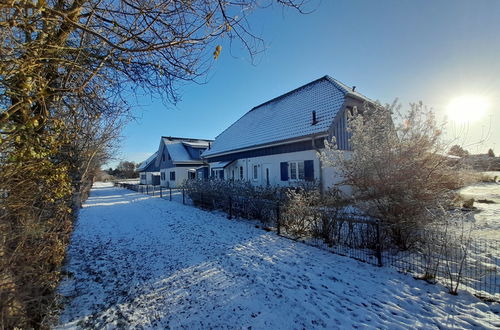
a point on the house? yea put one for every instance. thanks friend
(149, 173)
(277, 142)
(179, 158)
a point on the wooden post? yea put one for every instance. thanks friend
(147, 190)
(161, 192)
(153, 190)
(183, 196)
(170, 194)
(230, 208)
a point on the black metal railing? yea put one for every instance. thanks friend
(449, 257)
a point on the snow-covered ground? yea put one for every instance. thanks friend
(487, 202)
(138, 261)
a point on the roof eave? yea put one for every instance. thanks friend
(270, 144)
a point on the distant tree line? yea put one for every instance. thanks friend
(124, 170)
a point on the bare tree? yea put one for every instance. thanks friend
(66, 71)
(54, 49)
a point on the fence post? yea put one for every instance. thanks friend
(170, 194)
(153, 190)
(278, 220)
(161, 192)
(183, 196)
(147, 189)
(230, 208)
(379, 245)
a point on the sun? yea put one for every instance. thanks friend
(467, 108)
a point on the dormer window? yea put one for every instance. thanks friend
(314, 119)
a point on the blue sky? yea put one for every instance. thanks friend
(431, 51)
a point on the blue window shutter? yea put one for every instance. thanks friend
(309, 170)
(284, 171)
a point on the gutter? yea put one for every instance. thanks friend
(260, 146)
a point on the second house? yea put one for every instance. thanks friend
(178, 158)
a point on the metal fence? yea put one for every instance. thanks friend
(448, 256)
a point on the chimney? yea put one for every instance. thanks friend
(353, 88)
(208, 145)
(314, 120)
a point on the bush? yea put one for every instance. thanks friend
(397, 172)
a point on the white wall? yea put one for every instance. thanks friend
(181, 174)
(328, 175)
(273, 161)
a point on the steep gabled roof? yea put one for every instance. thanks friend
(177, 148)
(145, 164)
(286, 117)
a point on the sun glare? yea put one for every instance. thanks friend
(467, 108)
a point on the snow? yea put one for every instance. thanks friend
(487, 220)
(178, 152)
(141, 261)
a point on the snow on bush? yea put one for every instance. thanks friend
(396, 169)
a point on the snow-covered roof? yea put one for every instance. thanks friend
(147, 162)
(286, 117)
(178, 153)
(181, 149)
(203, 144)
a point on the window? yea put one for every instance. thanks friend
(143, 176)
(163, 175)
(296, 170)
(191, 175)
(163, 157)
(218, 174)
(172, 176)
(255, 172)
(241, 172)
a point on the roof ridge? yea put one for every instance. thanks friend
(184, 139)
(290, 92)
(346, 89)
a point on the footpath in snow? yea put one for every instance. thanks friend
(138, 261)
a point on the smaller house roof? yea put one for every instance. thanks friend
(144, 165)
(180, 149)
(203, 144)
(178, 153)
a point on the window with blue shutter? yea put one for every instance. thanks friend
(309, 170)
(284, 171)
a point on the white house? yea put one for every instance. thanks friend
(149, 173)
(178, 159)
(277, 142)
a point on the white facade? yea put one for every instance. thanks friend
(266, 170)
(147, 177)
(181, 174)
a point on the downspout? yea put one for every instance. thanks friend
(321, 184)
(246, 168)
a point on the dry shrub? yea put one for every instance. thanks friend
(397, 171)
